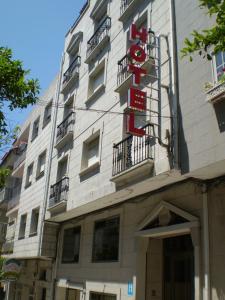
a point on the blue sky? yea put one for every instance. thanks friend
(35, 31)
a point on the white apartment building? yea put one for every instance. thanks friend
(29, 160)
(127, 216)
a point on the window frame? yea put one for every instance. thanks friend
(22, 236)
(34, 233)
(214, 67)
(84, 157)
(37, 122)
(40, 173)
(46, 119)
(76, 230)
(29, 183)
(106, 260)
(93, 93)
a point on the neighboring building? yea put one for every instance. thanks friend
(29, 161)
(134, 217)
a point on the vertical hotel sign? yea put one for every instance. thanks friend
(136, 97)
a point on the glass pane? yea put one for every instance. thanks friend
(219, 59)
(106, 240)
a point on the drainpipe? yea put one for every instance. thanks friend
(206, 290)
(174, 86)
(51, 148)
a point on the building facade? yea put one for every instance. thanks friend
(132, 198)
(29, 160)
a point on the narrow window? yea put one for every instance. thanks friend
(29, 175)
(106, 240)
(220, 65)
(34, 222)
(23, 221)
(41, 165)
(47, 114)
(35, 128)
(71, 245)
(90, 154)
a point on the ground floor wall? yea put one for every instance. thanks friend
(35, 281)
(191, 209)
(142, 220)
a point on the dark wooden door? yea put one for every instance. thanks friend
(178, 268)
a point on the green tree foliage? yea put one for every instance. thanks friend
(16, 91)
(212, 40)
(2, 275)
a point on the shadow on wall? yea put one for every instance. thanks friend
(219, 110)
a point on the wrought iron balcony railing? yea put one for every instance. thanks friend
(124, 5)
(98, 36)
(72, 70)
(123, 73)
(65, 127)
(58, 192)
(133, 150)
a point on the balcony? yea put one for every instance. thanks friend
(7, 247)
(58, 196)
(4, 194)
(21, 155)
(127, 8)
(124, 78)
(216, 93)
(133, 157)
(14, 198)
(65, 131)
(99, 39)
(71, 74)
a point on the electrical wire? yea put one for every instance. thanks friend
(76, 108)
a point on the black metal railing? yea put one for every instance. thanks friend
(123, 63)
(98, 36)
(124, 5)
(73, 68)
(133, 150)
(65, 127)
(58, 192)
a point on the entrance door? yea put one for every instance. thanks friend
(73, 294)
(178, 268)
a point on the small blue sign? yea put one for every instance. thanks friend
(130, 288)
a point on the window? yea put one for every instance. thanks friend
(41, 165)
(23, 221)
(68, 108)
(47, 114)
(34, 221)
(106, 240)
(62, 169)
(29, 175)
(99, 296)
(90, 152)
(220, 65)
(71, 245)
(35, 128)
(97, 79)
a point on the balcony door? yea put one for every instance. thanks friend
(178, 268)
